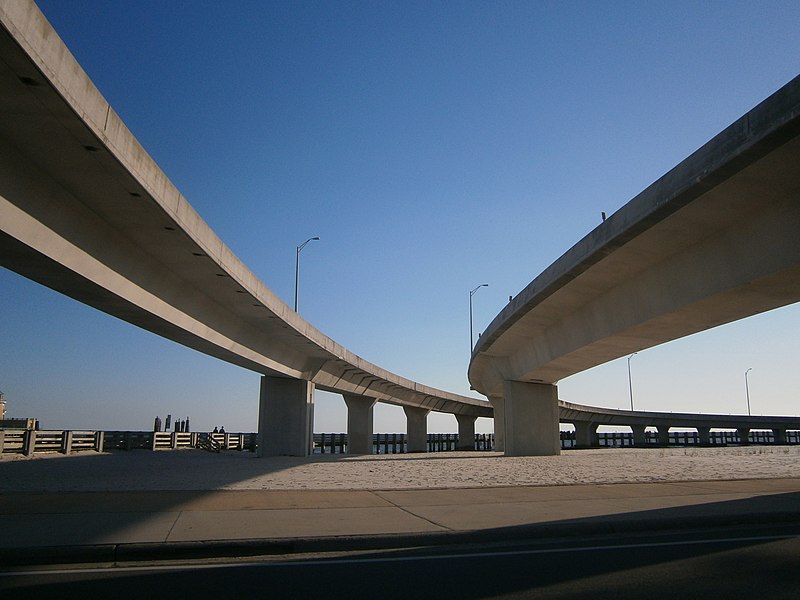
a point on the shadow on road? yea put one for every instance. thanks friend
(509, 562)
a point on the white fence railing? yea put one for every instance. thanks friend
(30, 441)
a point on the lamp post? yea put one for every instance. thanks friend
(297, 268)
(630, 384)
(747, 389)
(472, 293)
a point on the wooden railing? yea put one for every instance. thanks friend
(216, 442)
(28, 441)
(397, 443)
(622, 439)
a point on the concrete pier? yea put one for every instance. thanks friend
(359, 423)
(285, 417)
(639, 436)
(704, 434)
(417, 428)
(780, 436)
(632, 284)
(531, 419)
(498, 406)
(663, 435)
(744, 435)
(585, 434)
(466, 432)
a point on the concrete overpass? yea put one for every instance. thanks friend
(712, 241)
(586, 419)
(85, 211)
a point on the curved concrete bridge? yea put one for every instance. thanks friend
(586, 419)
(712, 241)
(85, 211)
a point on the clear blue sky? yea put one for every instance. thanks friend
(433, 147)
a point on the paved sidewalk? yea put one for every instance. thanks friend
(137, 525)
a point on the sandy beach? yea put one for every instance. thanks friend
(199, 470)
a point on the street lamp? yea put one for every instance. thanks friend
(472, 293)
(297, 268)
(630, 384)
(747, 389)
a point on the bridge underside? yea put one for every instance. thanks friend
(713, 241)
(85, 211)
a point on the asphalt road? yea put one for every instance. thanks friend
(731, 563)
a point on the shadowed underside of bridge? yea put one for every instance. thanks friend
(712, 241)
(85, 211)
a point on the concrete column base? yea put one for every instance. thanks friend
(359, 423)
(67, 448)
(639, 435)
(663, 435)
(744, 435)
(285, 417)
(531, 419)
(29, 445)
(466, 432)
(585, 435)
(416, 428)
(498, 406)
(780, 436)
(704, 433)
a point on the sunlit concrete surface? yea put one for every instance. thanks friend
(109, 504)
(199, 470)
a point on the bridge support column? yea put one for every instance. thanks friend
(498, 407)
(585, 434)
(285, 417)
(359, 423)
(639, 437)
(466, 432)
(531, 419)
(663, 435)
(416, 428)
(780, 436)
(704, 433)
(744, 435)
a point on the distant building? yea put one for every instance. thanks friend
(19, 424)
(14, 423)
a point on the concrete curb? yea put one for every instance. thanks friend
(114, 554)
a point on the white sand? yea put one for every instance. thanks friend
(199, 470)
